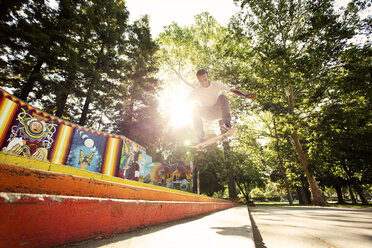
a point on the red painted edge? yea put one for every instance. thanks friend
(31, 220)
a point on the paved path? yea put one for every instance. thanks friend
(304, 227)
(225, 229)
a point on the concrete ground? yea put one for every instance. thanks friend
(316, 227)
(224, 229)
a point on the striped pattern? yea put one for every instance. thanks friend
(61, 144)
(112, 154)
(8, 109)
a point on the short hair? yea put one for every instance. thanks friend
(201, 72)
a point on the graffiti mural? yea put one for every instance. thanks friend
(32, 136)
(29, 132)
(174, 175)
(132, 159)
(87, 149)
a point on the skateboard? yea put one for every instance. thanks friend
(223, 137)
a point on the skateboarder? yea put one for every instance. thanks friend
(212, 104)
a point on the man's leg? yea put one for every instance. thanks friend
(225, 122)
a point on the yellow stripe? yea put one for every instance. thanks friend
(110, 155)
(6, 111)
(62, 144)
(108, 163)
(58, 143)
(115, 156)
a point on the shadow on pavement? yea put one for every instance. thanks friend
(242, 231)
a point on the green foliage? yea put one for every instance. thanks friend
(84, 62)
(306, 46)
(184, 50)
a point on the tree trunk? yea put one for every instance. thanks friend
(357, 188)
(61, 100)
(63, 93)
(61, 103)
(340, 198)
(244, 192)
(127, 123)
(289, 194)
(27, 88)
(317, 198)
(302, 199)
(353, 200)
(305, 188)
(93, 82)
(231, 182)
(84, 113)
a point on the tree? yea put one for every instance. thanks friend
(296, 47)
(248, 175)
(81, 58)
(103, 31)
(65, 74)
(139, 117)
(185, 50)
(28, 38)
(342, 128)
(213, 172)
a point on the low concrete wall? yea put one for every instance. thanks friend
(29, 220)
(44, 204)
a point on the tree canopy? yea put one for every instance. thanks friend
(307, 133)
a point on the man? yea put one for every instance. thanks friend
(212, 104)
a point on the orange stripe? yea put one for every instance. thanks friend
(111, 156)
(116, 157)
(8, 109)
(105, 162)
(61, 144)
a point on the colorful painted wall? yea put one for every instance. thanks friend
(173, 175)
(29, 132)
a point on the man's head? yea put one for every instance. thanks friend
(202, 76)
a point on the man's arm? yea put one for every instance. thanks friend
(239, 93)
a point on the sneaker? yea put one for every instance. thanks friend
(224, 128)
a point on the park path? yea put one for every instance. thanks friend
(317, 227)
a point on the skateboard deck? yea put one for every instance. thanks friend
(212, 140)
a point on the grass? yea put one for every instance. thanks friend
(348, 205)
(331, 204)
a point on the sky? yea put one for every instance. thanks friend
(164, 12)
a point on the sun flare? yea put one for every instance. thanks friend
(174, 105)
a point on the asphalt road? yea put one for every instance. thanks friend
(320, 227)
